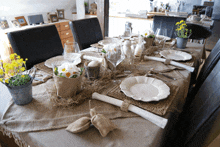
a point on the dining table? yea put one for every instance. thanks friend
(41, 123)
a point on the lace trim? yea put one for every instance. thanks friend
(19, 142)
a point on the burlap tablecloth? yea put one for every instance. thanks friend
(41, 115)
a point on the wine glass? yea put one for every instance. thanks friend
(115, 57)
(160, 37)
(127, 33)
(71, 51)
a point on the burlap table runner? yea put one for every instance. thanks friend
(159, 107)
(41, 66)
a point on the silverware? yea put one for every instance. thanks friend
(153, 75)
(152, 71)
(37, 79)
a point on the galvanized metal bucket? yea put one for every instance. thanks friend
(181, 42)
(21, 95)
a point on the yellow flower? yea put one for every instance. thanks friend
(145, 34)
(67, 74)
(182, 21)
(63, 69)
(1, 72)
(24, 62)
(20, 61)
(18, 57)
(12, 74)
(22, 76)
(26, 59)
(1, 79)
(6, 81)
(12, 56)
(22, 69)
(177, 23)
(1, 61)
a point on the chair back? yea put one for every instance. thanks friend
(167, 22)
(208, 66)
(198, 124)
(37, 44)
(86, 32)
(198, 32)
(200, 121)
(208, 11)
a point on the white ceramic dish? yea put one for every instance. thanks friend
(58, 60)
(107, 41)
(145, 89)
(175, 55)
(165, 37)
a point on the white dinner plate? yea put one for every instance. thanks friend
(145, 89)
(58, 60)
(175, 55)
(107, 41)
(165, 37)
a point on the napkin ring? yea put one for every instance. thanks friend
(125, 105)
(167, 61)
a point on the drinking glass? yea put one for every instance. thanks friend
(127, 33)
(160, 39)
(115, 57)
(71, 51)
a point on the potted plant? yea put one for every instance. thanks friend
(149, 37)
(67, 79)
(17, 81)
(182, 34)
(86, 7)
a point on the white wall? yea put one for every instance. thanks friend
(13, 8)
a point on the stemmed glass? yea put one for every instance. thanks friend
(115, 57)
(127, 33)
(71, 51)
(160, 37)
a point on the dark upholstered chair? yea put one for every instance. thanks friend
(208, 11)
(37, 44)
(198, 32)
(208, 66)
(86, 32)
(167, 22)
(198, 124)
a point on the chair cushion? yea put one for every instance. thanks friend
(37, 44)
(86, 32)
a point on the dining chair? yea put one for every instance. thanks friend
(86, 32)
(167, 22)
(198, 124)
(208, 66)
(37, 44)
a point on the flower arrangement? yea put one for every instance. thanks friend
(11, 73)
(68, 70)
(148, 34)
(182, 31)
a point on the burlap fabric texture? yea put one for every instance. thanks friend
(67, 87)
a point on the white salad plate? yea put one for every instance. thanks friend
(163, 37)
(58, 60)
(107, 41)
(145, 89)
(175, 55)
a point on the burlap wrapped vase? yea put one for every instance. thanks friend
(67, 87)
(149, 42)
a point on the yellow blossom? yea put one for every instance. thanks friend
(67, 74)
(6, 81)
(20, 61)
(26, 59)
(12, 56)
(145, 34)
(18, 57)
(1, 72)
(12, 74)
(1, 61)
(1, 79)
(22, 76)
(22, 69)
(63, 69)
